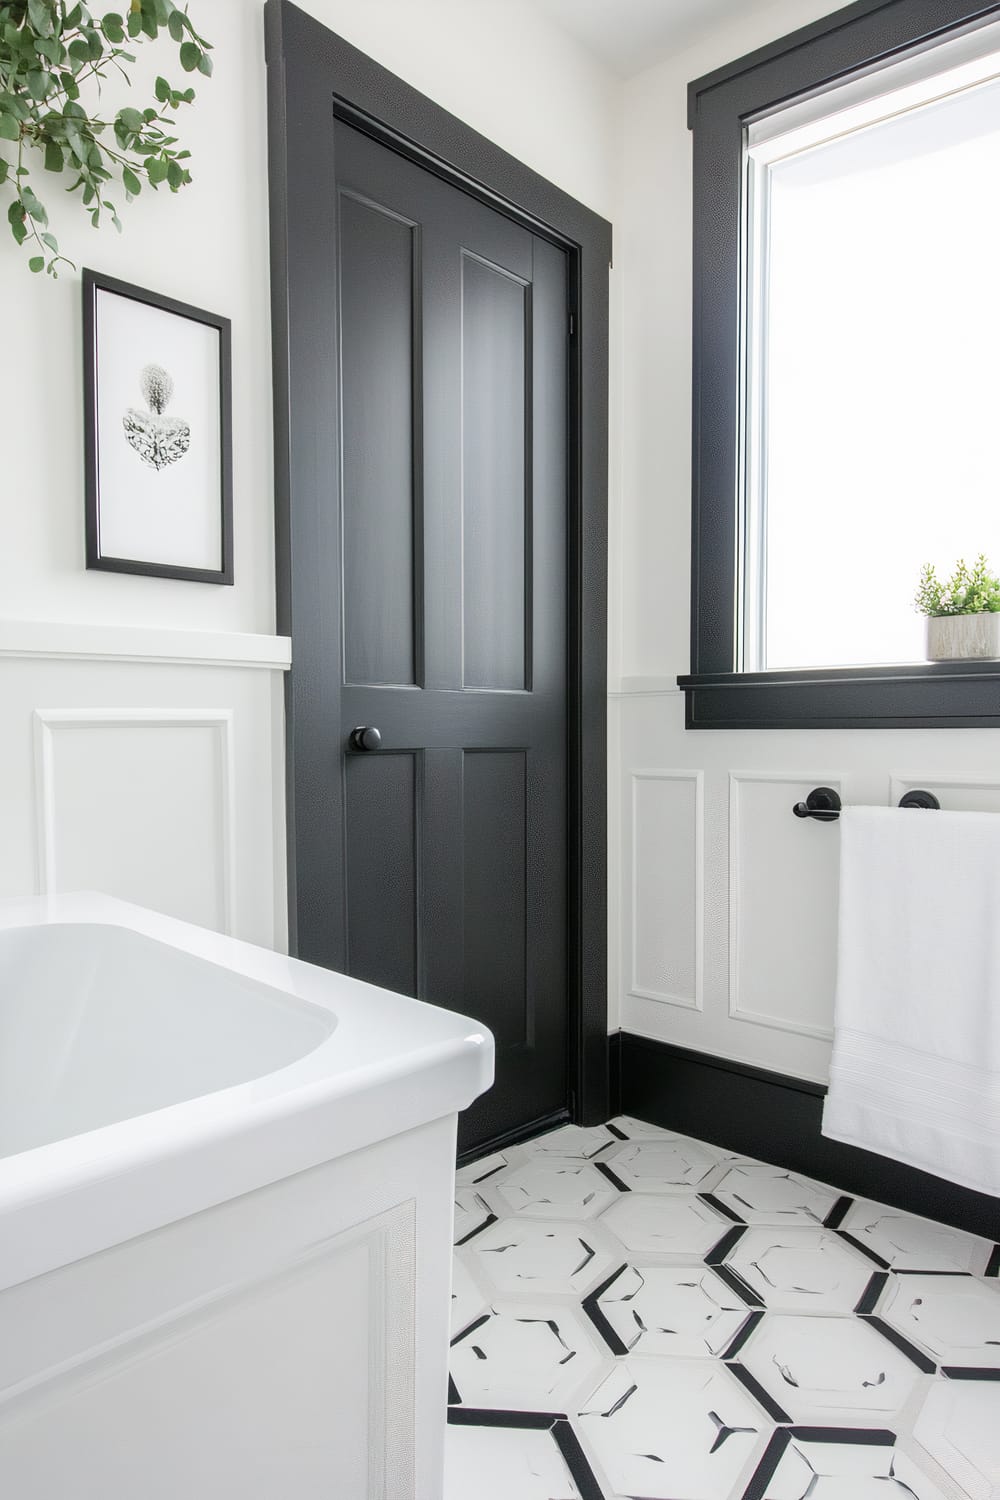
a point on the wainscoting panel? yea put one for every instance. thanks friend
(115, 785)
(667, 905)
(158, 779)
(783, 874)
(955, 793)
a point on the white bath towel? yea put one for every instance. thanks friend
(916, 1051)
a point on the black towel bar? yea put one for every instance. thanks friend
(824, 804)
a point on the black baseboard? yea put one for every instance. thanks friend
(615, 1074)
(514, 1137)
(777, 1118)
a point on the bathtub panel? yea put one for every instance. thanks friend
(265, 1347)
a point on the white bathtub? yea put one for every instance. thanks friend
(225, 1210)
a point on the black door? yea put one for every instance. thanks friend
(450, 877)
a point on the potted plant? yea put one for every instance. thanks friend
(963, 611)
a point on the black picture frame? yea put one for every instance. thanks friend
(94, 282)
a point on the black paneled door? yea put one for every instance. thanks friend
(453, 328)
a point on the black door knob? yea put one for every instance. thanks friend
(365, 737)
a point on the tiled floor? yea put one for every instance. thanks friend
(640, 1316)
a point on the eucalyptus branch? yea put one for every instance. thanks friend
(49, 50)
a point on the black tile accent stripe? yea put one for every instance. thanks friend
(603, 1167)
(743, 1335)
(902, 1344)
(837, 1213)
(490, 1219)
(963, 1372)
(868, 1253)
(856, 1437)
(872, 1292)
(580, 1471)
(734, 1281)
(757, 1391)
(729, 1241)
(776, 1118)
(596, 1315)
(993, 1267)
(720, 1207)
(765, 1471)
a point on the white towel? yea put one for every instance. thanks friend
(916, 1049)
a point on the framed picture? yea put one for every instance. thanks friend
(158, 434)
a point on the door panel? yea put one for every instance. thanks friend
(380, 861)
(453, 419)
(496, 417)
(377, 254)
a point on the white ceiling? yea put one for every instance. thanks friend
(630, 35)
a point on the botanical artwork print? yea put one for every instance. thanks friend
(159, 440)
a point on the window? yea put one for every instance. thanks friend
(847, 366)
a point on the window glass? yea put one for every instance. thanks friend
(872, 375)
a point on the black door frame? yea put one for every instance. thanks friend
(302, 57)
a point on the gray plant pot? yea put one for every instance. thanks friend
(959, 637)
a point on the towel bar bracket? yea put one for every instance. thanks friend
(824, 805)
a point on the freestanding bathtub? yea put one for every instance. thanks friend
(226, 1185)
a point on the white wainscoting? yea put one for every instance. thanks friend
(706, 843)
(116, 788)
(667, 883)
(783, 875)
(149, 767)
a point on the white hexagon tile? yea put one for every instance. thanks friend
(638, 1314)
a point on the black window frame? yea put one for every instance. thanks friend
(913, 695)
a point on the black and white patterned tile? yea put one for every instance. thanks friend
(641, 1314)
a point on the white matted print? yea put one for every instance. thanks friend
(158, 435)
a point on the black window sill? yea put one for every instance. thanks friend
(917, 695)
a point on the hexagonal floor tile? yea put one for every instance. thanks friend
(907, 1243)
(572, 1142)
(839, 1464)
(769, 1195)
(826, 1369)
(662, 1166)
(801, 1270)
(556, 1189)
(472, 1213)
(956, 1319)
(529, 1257)
(638, 1130)
(468, 1302)
(524, 1357)
(672, 1429)
(670, 1310)
(958, 1427)
(649, 1225)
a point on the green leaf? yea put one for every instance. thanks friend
(205, 65)
(176, 25)
(4, 169)
(36, 263)
(41, 14)
(10, 130)
(38, 83)
(114, 29)
(15, 218)
(131, 182)
(175, 175)
(78, 50)
(49, 48)
(54, 160)
(190, 56)
(157, 170)
(73, 19)
(134, 23)
(51, 241)
(131, 119)
(162, 90)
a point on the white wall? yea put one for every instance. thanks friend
(138, 797)
(724, 938)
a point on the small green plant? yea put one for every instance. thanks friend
(969, 591)
(50, 51)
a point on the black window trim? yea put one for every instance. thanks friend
(917, 695)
